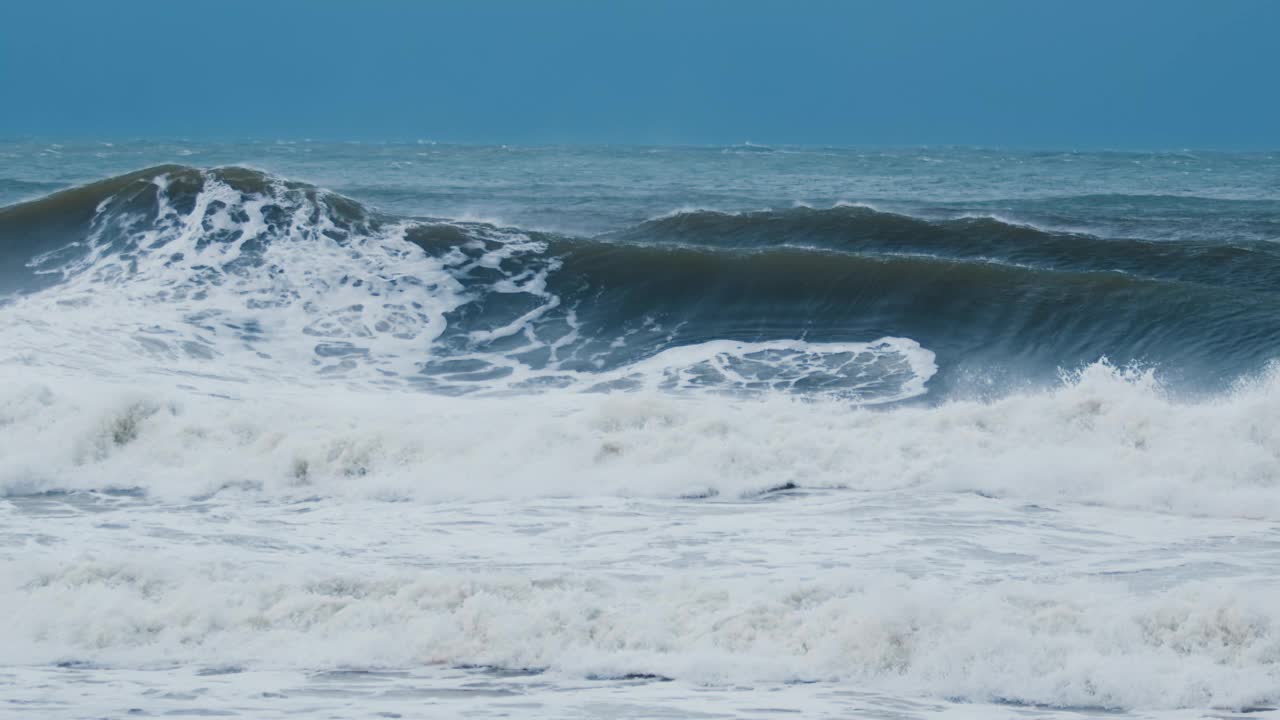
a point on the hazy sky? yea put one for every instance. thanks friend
(1077, 74)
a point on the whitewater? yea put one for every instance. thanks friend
(408, 430)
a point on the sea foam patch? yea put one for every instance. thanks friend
(1106, 436)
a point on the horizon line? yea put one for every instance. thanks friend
(111, 139)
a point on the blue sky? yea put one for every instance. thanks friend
(1046, 73)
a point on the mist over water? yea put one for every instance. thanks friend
(915, 431)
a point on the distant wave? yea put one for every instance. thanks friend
(861, 228)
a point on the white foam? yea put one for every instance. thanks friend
(883, 371)
(1106, 437)
(292, 557)
(1076, 643)
(175, 301)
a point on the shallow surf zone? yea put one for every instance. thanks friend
(1105, 436)
(1095, 546)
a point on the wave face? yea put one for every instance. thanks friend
(1000, 437)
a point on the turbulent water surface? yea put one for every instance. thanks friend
(344, 430)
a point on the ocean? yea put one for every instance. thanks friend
(361, 430)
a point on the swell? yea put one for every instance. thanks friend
(851, 228)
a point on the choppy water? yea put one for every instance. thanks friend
(377, 430)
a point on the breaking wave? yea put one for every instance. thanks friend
(228, 341)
